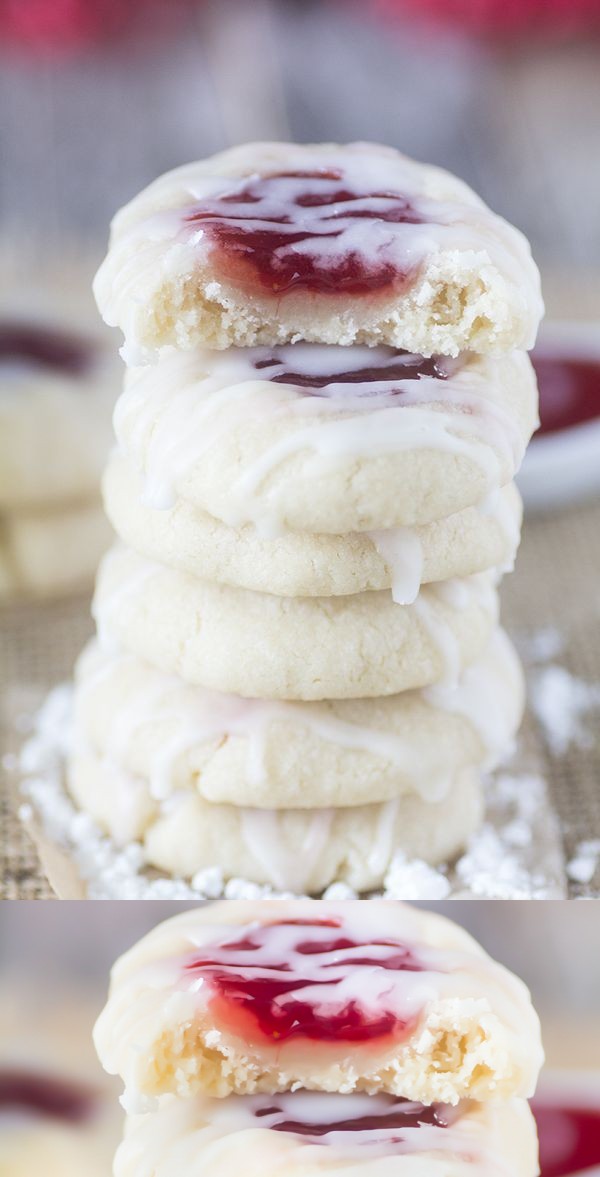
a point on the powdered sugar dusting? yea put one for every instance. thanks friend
(584, 864)
(496, 865)
(516, 855)
(414, 879)
(541, 645)
(562, 703)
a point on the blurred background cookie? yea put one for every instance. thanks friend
(58, 384)
(57, 1109)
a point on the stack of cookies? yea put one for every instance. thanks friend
(304, 1038)
(299, 671)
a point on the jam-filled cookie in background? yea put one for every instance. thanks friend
(58, 385)
(59, 1114)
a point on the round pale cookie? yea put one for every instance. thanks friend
(297, 850)
(307, 1133)
(48, 553)
(59, 380)
(251, 437)
(376, 997)
(274, 242)
(297, 564)
(266, 647)
(55, 422)
(58, 1113)
(296, 755)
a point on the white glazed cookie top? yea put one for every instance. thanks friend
(322, 219)
(337, 404)
(357, 1124)
(58, 384)
(306, 1132)
(295, 975)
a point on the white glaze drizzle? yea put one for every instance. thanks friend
(383, 846)
(328, 241)
(487, 696)
(401, 550)
(457, 594)
(333, 978)
(382, 431)
(497, 507)
(129, 798)
(239, 1113)
(440, 632)
(261, 831)
(209, 1134)
(336, 978)
(107, 604)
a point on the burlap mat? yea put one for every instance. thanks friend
(556, 585)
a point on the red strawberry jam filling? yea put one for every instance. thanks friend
(569, 390)
(285, 980)
(391, 1115)
(30, 1093)
(302, 231)
(42, 347)
(384, 366)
